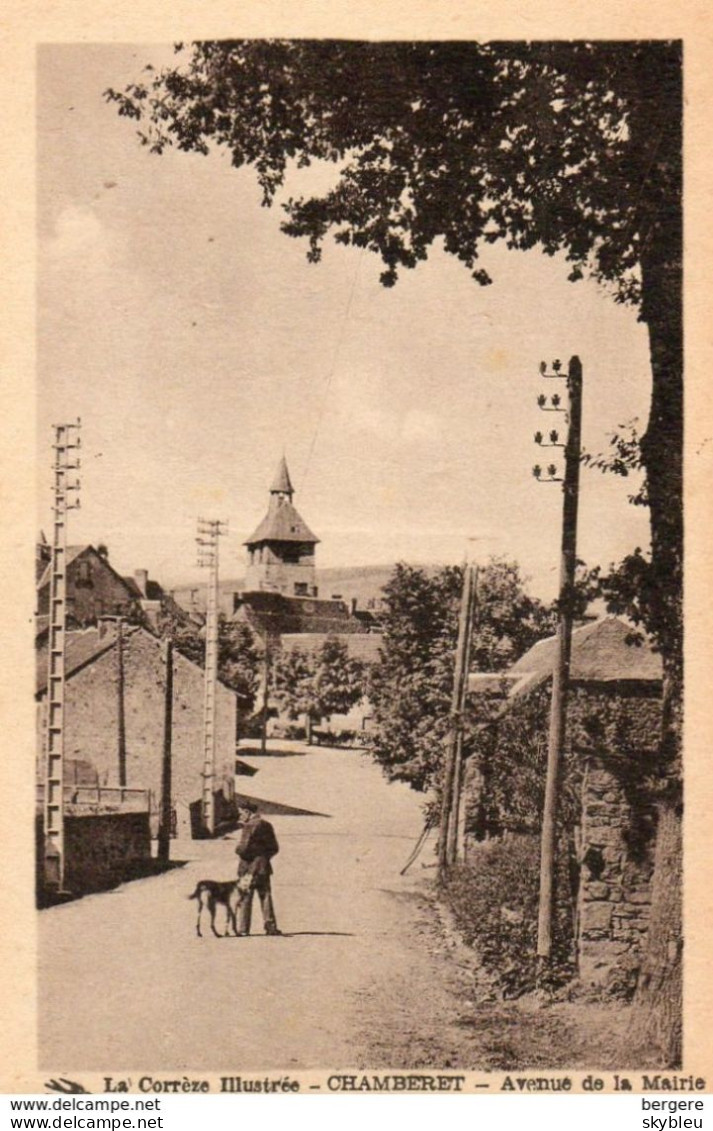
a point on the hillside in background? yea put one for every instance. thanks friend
(360, 583)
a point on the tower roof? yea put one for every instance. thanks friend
(282, 523)
(282, 484)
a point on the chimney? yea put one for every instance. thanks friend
(106, 627)
(355, 602)
(141, 577)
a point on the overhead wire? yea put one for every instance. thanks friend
(332, 368)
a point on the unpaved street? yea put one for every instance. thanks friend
(125, 982)
(368, 975)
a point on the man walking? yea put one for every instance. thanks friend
(256, 847)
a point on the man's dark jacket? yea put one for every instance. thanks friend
(257, 845)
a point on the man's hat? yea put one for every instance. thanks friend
(249, 805)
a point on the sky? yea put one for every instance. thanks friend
(198, 345)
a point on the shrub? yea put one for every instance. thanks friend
(292, 731)
(345, 737)
(494, 901)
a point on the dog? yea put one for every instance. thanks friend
(230, 893)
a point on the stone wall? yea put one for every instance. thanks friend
(615, 887)
(91, 722)
(100, 850)
(615, 737)
(612, 734)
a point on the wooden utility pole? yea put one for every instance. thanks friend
(67, 440)
(120, 690)
(209, 532)
(563, 645)
(454, 821)
(265, 692)
(460, 679)
(164, 827)
(121, 711)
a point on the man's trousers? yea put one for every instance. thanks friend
(262, 886)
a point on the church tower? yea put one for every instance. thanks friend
(281, 551)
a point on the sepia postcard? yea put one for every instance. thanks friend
(357, 665)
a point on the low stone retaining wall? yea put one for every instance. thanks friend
(101, 849)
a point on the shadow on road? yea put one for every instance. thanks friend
(269, 808)
(319, 934)
(297, 935)
(257, 752)
(141, 870)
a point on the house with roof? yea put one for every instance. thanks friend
(274, 616)
(281, 594)
(94, 588)
(114, 713)
(281, 599)
(606, 813)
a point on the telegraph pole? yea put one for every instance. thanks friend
(209, 532)
(164, 828)
(453, 824)
(265, 693)
(460, 679)
(563, 640)
(66, 442)
(120, 705)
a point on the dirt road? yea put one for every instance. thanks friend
(125, 982)
(366, 976)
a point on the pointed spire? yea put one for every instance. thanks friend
(282, 484)
(282, 523)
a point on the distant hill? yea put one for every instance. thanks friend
(361, 583)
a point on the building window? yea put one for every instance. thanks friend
(84, 575)
(301, 589)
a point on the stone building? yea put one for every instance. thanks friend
(613, 726)
(94, 588)
(281, 598)
(96, 689)
(281, 550)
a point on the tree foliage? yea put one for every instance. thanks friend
(630, 587)
(471, 143)
(623, 458)
(239, 658)
(564, 146)
(328, 682)
(238, 654)
(411, 686)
